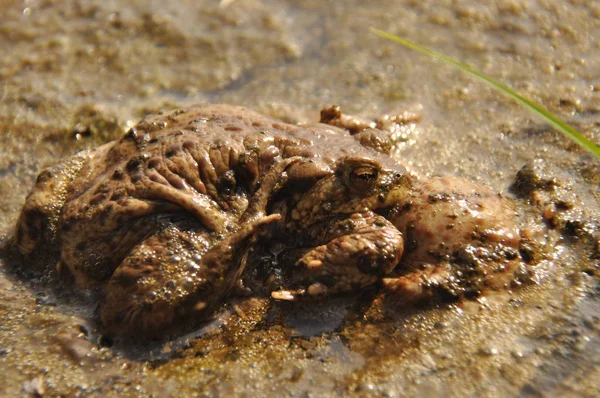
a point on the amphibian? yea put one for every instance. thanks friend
(167, 219)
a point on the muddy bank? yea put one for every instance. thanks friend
(80, 73)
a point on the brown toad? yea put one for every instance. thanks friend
(167, 218)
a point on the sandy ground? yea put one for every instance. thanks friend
(77, 73)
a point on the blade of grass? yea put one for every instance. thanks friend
(537, 109)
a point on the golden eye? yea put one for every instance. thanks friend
(362, 178)
(358, 174)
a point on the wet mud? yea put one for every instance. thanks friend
(75, 74)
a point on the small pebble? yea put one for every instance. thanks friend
(440, 325)
(389, 394)
(363, 387)
(35, 387)
(540, 351)
(517, 354)
(42, 299)
(489, 350)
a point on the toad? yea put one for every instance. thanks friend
(168, 220)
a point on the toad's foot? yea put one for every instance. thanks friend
(354, 253)
(421, 285)
(471, 273)
(378, 134)
(170, 277)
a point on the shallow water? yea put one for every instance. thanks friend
(75, 74)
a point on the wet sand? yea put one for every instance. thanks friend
(76, 74)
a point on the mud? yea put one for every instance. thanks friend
(75, 74)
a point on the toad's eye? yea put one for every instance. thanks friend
(358, 174)
(362, 178)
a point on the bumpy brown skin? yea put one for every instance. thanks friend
(165, 218)
(460, 239)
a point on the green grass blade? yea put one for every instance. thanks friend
(537, 109)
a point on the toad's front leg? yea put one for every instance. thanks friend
(349, 253)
